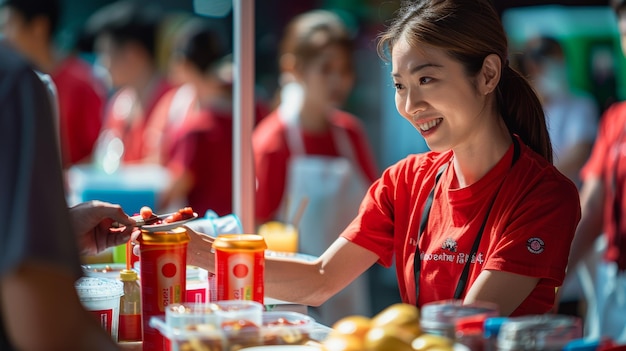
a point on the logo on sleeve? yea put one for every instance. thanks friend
(535, 245)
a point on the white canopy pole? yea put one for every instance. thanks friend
(243, 123)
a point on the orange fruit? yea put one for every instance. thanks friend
(352, 325)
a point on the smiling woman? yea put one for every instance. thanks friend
(485, 126)
(485, 216)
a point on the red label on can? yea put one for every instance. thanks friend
(163, 280)
(240, 275)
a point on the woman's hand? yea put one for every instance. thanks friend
(92, 222)
(200, 251)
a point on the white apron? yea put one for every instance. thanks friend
(335, 187)
(604, 287)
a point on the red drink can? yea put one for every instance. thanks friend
(240, 266)
(163, 278)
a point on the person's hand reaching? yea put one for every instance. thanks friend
(200, 250)
(92, 222)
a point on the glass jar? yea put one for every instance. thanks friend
(538, 332)
(439, 318)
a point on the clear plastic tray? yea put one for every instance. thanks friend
(225, 334)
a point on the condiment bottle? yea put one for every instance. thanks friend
(239, 267)
(130, 307)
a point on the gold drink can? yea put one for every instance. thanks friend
(240, 266)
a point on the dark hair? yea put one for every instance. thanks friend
(125, 21)
(200, 44)
(309, 33)
(31, 9)
(469, 31)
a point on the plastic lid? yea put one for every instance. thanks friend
(446, 312)
(252, 242)
(174, 236)
(92, 289)
(128, 275)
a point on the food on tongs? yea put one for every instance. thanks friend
(146, 217)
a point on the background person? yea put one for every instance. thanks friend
(487, 130)
(309, 149)
(572, 117)
(196, 123)
(601, 234)
(572, 120)
(30, 26)
(124, 35)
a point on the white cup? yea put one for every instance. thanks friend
(102, 298)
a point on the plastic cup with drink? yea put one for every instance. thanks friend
(283, 237)
(280, 237)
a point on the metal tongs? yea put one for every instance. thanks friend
(140, 221)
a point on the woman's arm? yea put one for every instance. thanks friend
(294, 280)
(312, 283)
(507, 290)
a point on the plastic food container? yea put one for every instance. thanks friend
(183, 316)
(286, 328)
(439, 318)
(241, 321)
(539, 332)
(101, 297)
(238, 310)
(232, 326)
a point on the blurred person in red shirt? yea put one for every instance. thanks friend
(310, 151)
(29, 26)
(124, 35)
(599, 246)
(195, 122)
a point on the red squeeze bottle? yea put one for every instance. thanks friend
(163, 278)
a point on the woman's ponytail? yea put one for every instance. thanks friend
(522, 112)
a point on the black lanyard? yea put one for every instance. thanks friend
(417, 262)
